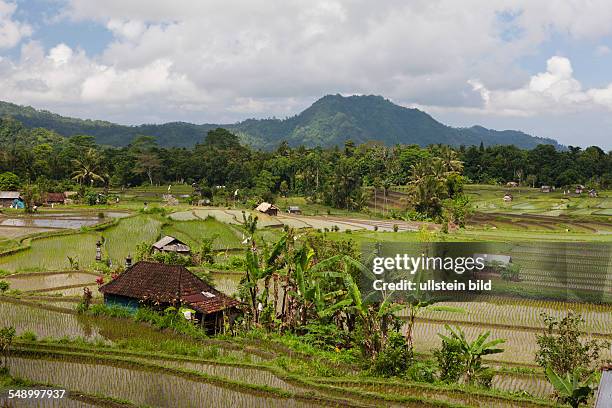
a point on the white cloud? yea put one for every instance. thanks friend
(11, 31)
(553, 91)
(223, 61)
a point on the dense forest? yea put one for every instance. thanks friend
(330, 121)
(340, 177)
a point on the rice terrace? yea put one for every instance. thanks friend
(304, 204)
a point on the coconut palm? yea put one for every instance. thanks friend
(88, 167)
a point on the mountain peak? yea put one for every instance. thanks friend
(329, 121)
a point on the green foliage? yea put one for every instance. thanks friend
(472, 369)
(110, 311)
(394, 359)
(572, 389)
(28, 336)
(172, 258)
(4, 286)
(7, 334)
(9, 181)
(450, 360)
(561, 348)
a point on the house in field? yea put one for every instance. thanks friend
(8, 198)
(512, 184)
(494, 259)
(508, 197)
(603, 398)
(294, 209)
(54, 198)
(267, 208)
(545, 189)
(159, 286)
(593, 193)
(171, 244)
(579, 189)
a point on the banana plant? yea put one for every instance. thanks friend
(571, 389)
(472, 351)
(257, 270)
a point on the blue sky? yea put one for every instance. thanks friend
(541, 67)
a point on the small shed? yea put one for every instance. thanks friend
(545, 189)
(507, 197)
(294, 209)
(267, 208)
(54, 198)
(579, 189)
(512, 184)
(490, 259)
(159, 286)
(604, 391)
(171, 244)
(593, 193)
(7, 198)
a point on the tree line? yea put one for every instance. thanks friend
(340, 176)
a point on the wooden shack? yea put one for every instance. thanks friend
(159, 286)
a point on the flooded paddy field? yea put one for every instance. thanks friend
(141, 387)
(52, 253)
(47, 281)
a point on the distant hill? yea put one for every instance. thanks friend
(329, 121)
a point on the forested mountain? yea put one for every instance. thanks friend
(330, 121)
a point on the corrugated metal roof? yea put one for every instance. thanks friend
(490, 258)
(165, 241)
(9, 195)
(604, 393)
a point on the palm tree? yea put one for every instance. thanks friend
(88, 167)
(450, 160)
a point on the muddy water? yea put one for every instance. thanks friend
(141, 387)
(26, 282)
(54, 324)
(29, 222)
(42, 403)
(247, 375)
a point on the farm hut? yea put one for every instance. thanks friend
(160, 286)
(267, 208)
(593, 193)
(171, 244)
(491, 259)
(512, 184)
(294, 209)
(7, 198)
(507, 197)
(54, 198)
(579, 189)
(604, 392)
(545, 189)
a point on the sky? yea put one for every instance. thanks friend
(543, 67)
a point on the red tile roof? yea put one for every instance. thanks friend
(150, 281)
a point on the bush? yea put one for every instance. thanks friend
(422, 371)
(451, 364)
(4, 286)
(111, 311)
(394, 359)
(28, 336)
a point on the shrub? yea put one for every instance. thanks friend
(28, 336)
(450, 361)
(394, 359)
(4, 286)
(561, 348)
